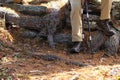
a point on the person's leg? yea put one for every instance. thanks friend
(105, 16)
(76, 24)
(105, 9)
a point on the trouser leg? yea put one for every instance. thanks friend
(105, 9)
(76, 21)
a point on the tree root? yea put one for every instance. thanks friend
(49, 57)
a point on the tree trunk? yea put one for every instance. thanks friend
(28, 9)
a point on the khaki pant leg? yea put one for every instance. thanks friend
(76, 21)
(105, 9)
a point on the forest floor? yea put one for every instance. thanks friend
(16, 64)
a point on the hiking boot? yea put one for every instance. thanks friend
(76, 47)
(104, 26)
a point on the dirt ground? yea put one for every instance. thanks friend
(16, 64)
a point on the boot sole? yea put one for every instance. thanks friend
(106, 33)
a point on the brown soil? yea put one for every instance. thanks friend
(16, 62)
